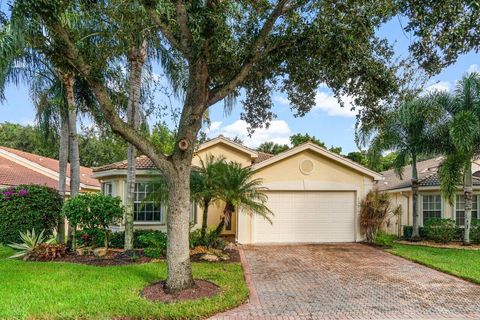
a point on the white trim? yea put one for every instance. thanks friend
(222, 139)
(313, 147)
(123, 172)
(420, 204)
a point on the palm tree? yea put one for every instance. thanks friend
(239, 189)
(464, 142)
(408, 131)
(204, 186)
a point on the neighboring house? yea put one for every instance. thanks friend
(431, 204)
(19, 167)
(313, 193)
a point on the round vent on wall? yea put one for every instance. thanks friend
(306, 166)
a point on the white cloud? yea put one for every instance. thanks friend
(439, 86)
(329, 104)
(214, 126)
(278, 132)
(473, 68)
(281, 100)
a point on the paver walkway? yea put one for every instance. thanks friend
(349, 281)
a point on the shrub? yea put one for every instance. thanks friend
(440, 230)
(30, 242)
(156, 244)
(384, 239)
(93, 211)
(374, 210)
(28, 207)
(91, 237)
(212, 239)
(475, 231)
(49, 251)
(408, 231)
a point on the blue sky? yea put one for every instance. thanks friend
(327, 121)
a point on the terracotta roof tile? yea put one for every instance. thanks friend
(52, 164)
(262, 156)
(142, 162)
(14, 174)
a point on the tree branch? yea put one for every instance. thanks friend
(182, 20)
(221, 93)
(118, 125)
(164, 29)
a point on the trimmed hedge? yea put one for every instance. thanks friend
(28, 207)
(440, 230)
(95, 237)
(458, 235)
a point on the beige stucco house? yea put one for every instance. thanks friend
(313, 193)
(431, 204)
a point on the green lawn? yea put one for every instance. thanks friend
(66, 290)
(462, 263)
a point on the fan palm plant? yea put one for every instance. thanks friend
(239, 189)
(407, 130)
(463, 142)
(204, 186)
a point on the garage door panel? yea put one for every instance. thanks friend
(307, 217)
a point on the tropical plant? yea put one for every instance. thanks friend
(461, 141)
(28, 207)
(409, 131)
(92, 211)
(440, 230)
(240, 190)
(272, 147)
(155, 244)
(204, 186)
(31, 241)
(375, 209)
(49, 251)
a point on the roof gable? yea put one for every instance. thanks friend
(321, 151)
(221, 139)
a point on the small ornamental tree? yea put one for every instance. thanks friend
(93, 211)
(374, 211)
(28, 207)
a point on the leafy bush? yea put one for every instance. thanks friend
(30, 242)
(156, 244)
(408, 231)
(91, 237)
(374, 210)
(28, 207)
(475, 231)
(93, 211)
(49, 251)
(212, 239)
(384, 239)
(440, 230)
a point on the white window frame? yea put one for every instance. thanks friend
(163, 208)
(475, 195)
(421, 206)
(105, 184)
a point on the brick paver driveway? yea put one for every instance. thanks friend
(349, 281)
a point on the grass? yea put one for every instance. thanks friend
(458, 262)
(70, 291)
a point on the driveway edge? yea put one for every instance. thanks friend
(253, 297)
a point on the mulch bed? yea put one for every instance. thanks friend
(113, 258)
(450, 245)
(202, 289)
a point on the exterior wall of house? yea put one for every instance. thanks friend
(327, 175)
(221, 149)
(404, 198)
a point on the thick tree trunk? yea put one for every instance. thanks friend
(178, 228)
(178, 220)
(74, 154)
(206, 204)
(415, 233)
(62, 169)
(136, 59)
(468, 193)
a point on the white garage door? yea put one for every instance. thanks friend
(309, 216)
